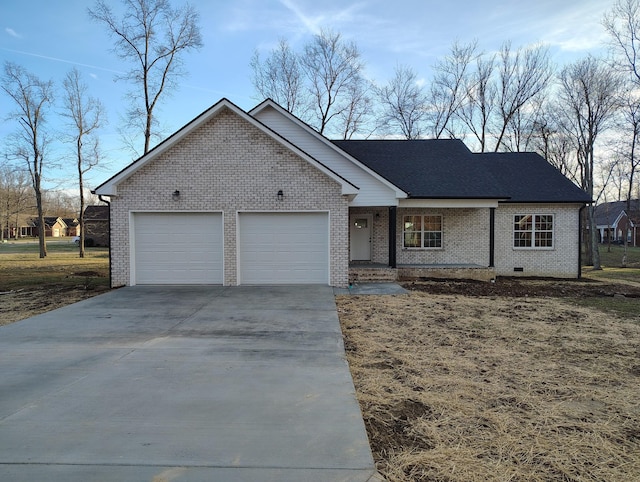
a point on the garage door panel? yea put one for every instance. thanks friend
(178, 248)
(284, 248)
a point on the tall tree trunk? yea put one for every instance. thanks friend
(595, 255)
(587, 239)
(81, 185)
(42, 228)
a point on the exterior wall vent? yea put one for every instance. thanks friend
(518, 270)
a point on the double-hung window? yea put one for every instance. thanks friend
(533, 231)
(420, 232)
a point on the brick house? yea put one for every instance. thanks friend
(73, 226)
(54, 227)
(260, 197)
(96, 225)
(613, 220)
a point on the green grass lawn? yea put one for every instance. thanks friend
(611, 256)
(22, 268)
(611, 261)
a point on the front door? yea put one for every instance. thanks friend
(360, 237)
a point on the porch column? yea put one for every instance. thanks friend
(492, 237)
(392, 236)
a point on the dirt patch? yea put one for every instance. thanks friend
(504, 381)
(528, 287)
(20, 304)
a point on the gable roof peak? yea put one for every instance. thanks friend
(109, 187)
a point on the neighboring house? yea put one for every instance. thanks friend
(613, 221)
(20, 226)
(96, 225)
(55, 227)
(73, 226)
(260, 197)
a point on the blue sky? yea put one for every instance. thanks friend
(49, 38)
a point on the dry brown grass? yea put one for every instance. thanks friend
(30, 285)
(458, 388)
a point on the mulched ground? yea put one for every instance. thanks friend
(526, 287)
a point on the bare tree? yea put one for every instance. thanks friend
(521, 128)
(31, 97)
(404, 104)
(14, 200)
(359, 108)
(152, 36)
(59, 203)
(623, 26)
(553, 143)
(589, 93)
(477, 110)
(85, 115)
(449, 88)
(279, 77)
(333, 68)
(523, 76)
(630, 128)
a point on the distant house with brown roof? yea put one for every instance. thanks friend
(96, 225)
(73, 226)
(54, 227)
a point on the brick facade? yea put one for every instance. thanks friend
(559, 262)
(466, 240)
(227, 165)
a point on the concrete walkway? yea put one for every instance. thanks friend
(182, 384)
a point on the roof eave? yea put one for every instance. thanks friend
(544, 201)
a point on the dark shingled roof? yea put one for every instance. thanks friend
(96, 212)
(528, 177)
(607, 213)
(447, 169)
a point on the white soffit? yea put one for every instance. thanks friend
(448, 203)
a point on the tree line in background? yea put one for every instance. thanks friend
(150, 36)
(584, 118)
(19, 203)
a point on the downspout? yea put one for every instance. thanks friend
(580, 240)
(108, 203)
(492, 237)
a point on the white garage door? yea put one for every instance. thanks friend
(178, 248)
(284, 248)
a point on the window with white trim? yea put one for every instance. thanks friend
(422, 232)
(533, 231)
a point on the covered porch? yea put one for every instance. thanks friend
(426, 239)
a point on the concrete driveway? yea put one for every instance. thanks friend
(182, 384)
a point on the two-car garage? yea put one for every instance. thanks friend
(271, 248)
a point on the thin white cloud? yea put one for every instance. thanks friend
(65, 61)
(335, 18)
(574, 32)
(571, 26)
(12, 32)
(312, 24)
